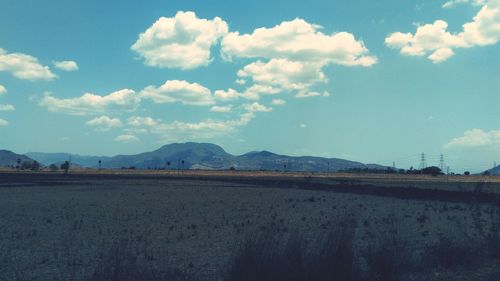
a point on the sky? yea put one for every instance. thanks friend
(371, 81)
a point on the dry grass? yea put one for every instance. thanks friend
(70, 231)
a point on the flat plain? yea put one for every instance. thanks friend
(62, 227)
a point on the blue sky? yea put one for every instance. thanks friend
(373, 81)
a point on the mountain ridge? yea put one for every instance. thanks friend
(193, 155)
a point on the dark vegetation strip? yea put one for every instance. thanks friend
(271, 255)
(341, 186)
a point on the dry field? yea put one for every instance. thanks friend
(55, 227)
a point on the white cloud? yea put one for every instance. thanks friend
(295, 53)
(297, 40)
(7, 107)
(183, 41)
(222, 109)
(228, 95)
(251, 93)
(92, 104)
(284, 74)
(3, 90)
(437, 44)
(181, 131)
(3, 122)
(104, 123)
(127, 138)
(254, 91)
(475, 138)
(307, 94)
(24, 66)
(240, 81)
(179, 91)
(302, 126)
(138, 121)
(256, 107)
(66, 65)
(453, 3)
(278, 102)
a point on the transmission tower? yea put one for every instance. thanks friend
(422, 161)
(441, 162)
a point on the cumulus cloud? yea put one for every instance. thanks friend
(223, 109)
(297, 40)
(291, 56)
(284, 74)
(179, 91)
(183, 41)
(253, 92)
(66, 65)
(138, 121)
(278, 102)
(475, 138)
(3, 90)
(178, 130)
(104, 123)
(453, 3)
(24, 66)
(92, 104)
(7, 107)
(256, 107)
(437, 44)
(302, 126)
(3, 122)
(228, 95)
(127, 138)
(308, 94)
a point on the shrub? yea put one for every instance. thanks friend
(451, 252)
(120, 263)
(273, 257)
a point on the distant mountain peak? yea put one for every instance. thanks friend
(262, 153)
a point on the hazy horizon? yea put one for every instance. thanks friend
(375, 82)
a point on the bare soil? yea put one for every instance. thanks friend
(55, 227)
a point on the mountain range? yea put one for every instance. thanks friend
(193, 155)
(495, 171)
(208, 156)
(9, 158)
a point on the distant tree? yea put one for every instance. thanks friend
(466, 173)
(168, 165)
(232, 168)
(53, 167)
(18, 166)
(65, 167)
(433, 170)
(100, 162)
(35, 166)
(182, 162)
(486, 173)
(390, 170)
(26, 165)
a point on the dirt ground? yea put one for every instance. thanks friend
(59, 228)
